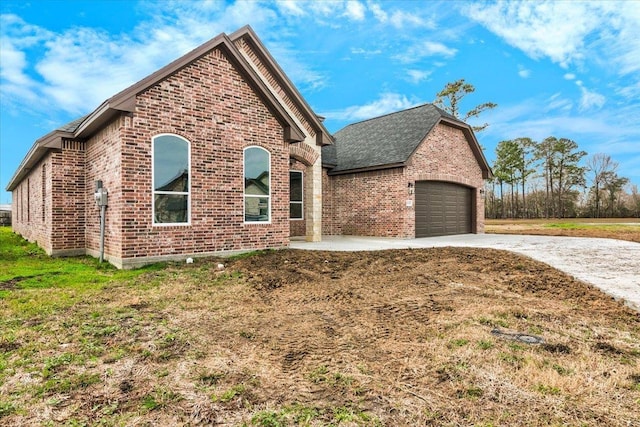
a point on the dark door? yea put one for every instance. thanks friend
(442, 208)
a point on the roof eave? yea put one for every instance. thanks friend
(51, 141)
(368, 168)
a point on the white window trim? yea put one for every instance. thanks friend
(175, 193)
(245, 195)
(301, 202)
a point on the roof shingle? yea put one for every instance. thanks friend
(382, 141)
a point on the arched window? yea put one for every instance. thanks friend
(257, 185)
(171, 170)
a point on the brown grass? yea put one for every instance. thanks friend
(316, 338)
(610, 228)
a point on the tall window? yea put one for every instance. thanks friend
(296, 210)
(171, 164)
(257, 185)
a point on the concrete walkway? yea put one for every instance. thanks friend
(611, 265)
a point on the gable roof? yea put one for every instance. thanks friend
(389, 141)
(246, 33)
(125, 101)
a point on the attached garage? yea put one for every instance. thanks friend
(443, 208)
(413, 173)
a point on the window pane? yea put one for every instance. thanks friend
(170, 164)
(256, 171)
(295, 210)
(295, 186)
(171, 209)
(256, 209)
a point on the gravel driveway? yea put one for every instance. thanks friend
(611, 265)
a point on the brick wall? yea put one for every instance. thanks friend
(68, 205)
(31, 205)
(366, 204)
(375, 203)
(103, 162)
(210, 105)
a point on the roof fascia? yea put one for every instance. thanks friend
(473, 143)
(51, 141)
(368, 169)
(323, 137)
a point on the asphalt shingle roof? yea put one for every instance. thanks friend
(385, 140)
(72, 126)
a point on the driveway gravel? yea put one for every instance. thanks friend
(611, 265)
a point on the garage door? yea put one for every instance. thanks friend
(442, 208)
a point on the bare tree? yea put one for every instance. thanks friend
(449, 100)
(600, 167)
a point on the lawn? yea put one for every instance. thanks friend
(448, 336)
(611, 228)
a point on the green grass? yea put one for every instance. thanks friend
(33, 283)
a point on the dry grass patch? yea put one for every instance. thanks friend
(317, 338)
(610, 228)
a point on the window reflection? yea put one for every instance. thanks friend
(256, 185)
(170, 179)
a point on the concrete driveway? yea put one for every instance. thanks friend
(611, 265)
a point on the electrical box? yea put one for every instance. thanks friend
(101, 196)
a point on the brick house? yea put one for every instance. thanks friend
(218, 152)
(414, 173)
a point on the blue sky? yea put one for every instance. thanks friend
(568, 69)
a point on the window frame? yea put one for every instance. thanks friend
(301, 202)
(244, 189)
(175, 193)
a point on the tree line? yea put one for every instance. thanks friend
(546, 179)
(553, 178)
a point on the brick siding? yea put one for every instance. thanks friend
(209, 104)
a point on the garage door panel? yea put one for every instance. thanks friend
(442, 208)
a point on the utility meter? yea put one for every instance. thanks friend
(101, 194)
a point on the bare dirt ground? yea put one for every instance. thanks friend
(393, 338)
(610, 228)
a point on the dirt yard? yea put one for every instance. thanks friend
(391, 338)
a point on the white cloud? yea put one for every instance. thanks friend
(379, 13)
(523, 72)
(567, 32)
(424, 49)
(417, 76)
(81, 67)
(542, 28)
(400, 19)
(387, 103)
(365, 52)
(569, 76)
(290, 7)
(590, 99)
(557, 102)
(354, 10)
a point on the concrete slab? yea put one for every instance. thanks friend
(611, 265)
